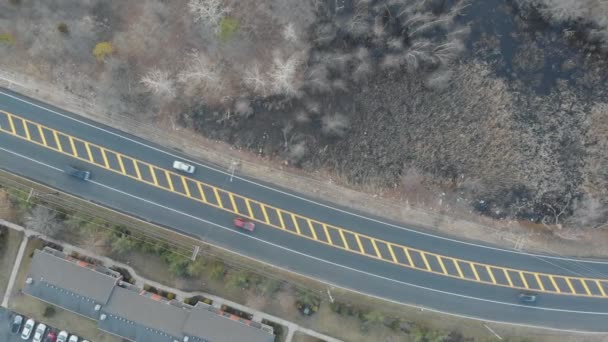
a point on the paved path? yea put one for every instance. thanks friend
(13, 277)
(140, 281)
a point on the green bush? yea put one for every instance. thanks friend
(228, 27)
(170, 295)
(217, 271)
(49, 311)
(63, 28)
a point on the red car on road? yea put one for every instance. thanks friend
(244, 223)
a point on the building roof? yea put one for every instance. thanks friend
(217, 326)
(74, 285)
(127, 311)
(146, 311)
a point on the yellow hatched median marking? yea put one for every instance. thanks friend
(280, 215)
(248, 207)
(72, 145)
(265, 214)
(376, 249)
(42, 137)
(217, 197)
(312, 229)
(295, 223)
(554, 283)
(295, 217)
(120, 163)
(426, 262)
(390, 250)
(105, 158)
(343, 238)
(233, 203)
(327, 234)
(489, 270)
(186, 189)
(136, 167)
(438, 257)
(599, 286)
(570, 285)
(57, 141)
(472, 266)
(523, 279)
(460, 274)
(408, 256)
(27, 130)
(540, 283)
(508, 277)
(12, 124)
(200, 190)
(585, 286)
(86, 145)
(153, 172)
(169, 181)
(359, 244)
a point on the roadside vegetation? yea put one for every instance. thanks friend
(486, 106)
(347, 316)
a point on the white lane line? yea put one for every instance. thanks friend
(306, 199)
(233, 231)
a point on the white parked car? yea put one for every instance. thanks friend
(73, 338)
(27, 329)
(181, 166)
(39, 333)
(62, 337)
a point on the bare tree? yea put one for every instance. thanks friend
(201, 71)
(159, 82)
(335, 125)
(283, 75)
(255, 80)
(43, 220)
(289, 33)
(209, 12)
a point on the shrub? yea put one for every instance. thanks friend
(170, 295)
(102, 50)
(49, 311)
(228, 27)
(63, 28)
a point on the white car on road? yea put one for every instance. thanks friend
(73, 338)
(181, 166)
(27, 329)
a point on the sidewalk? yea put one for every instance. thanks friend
(258, 316)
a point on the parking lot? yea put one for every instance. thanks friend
(6, 318)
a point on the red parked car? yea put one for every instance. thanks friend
(244, 223)
(50, 337)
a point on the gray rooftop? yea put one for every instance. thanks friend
(69, 284)
(217, 328)
(146, 312)
(127, 311)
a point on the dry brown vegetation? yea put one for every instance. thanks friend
(498, 107)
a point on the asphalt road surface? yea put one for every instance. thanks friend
(558, 309)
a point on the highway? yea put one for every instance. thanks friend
(307, 236)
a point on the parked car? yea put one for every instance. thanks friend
(27, 329)
(244, 223)
(78, 173)
(528, 298)
(181, 166)
(39, 333)
(16, 325)
(73, 338)
(62, 337)
(50, 337)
